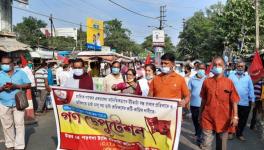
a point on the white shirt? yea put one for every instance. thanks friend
(30, 75)
(63, 77)
(58, 71)
(72, 83)
(143, 83)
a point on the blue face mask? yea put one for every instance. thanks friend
(115, 70)
(201, 73)
(149, 77)
(5, 68)
(217, 70)
(239, 72)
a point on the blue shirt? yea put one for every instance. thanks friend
(195, 86)
(50, 77)
(244, 87)
(19, 77)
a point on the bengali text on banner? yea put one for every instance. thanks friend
(103, 121)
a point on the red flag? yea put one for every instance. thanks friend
(256, 68)
(209, 68)
(23, 61)
(164, 128)
(161, 126)
(65, 60)
(148, 60)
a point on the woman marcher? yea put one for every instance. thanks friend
(129, 86)
(150, 72)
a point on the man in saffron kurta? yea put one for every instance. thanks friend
(219, 107)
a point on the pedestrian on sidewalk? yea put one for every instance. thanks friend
(12, 80)
(195, 86)
(245, 89)
(43, 87)
(218, 108)
(169, 84)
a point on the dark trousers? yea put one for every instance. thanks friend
(34, 100)
(243, 112)
(258, 106)
(195, 118)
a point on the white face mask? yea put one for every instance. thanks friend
(165, 70)
(78, 72)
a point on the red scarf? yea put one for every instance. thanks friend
(86, 81)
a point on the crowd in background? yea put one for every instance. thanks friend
(219, 102)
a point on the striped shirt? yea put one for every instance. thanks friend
(40, 77)
(258, 89)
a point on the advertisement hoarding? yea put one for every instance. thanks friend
(95, 34)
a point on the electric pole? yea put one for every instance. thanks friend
(51, 36)
(80, 36)
(162, 17)
(257, 23)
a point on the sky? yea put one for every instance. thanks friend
(78, 11)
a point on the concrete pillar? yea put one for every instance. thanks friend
(6, 16)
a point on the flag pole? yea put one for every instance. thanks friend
(257, 24)
(150, 131)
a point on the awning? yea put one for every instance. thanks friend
(11, 45)
(34, 55)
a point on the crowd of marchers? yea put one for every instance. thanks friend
(219, 101)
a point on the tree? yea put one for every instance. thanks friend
(62, 43)
(231, 25)
(199, 38)
(28, 31)
(118, 37)
(238, 24)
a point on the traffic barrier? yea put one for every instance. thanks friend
(29, 112)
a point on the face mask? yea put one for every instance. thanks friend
(5, 68)
(217, 70)
(239, 72)
(201, 73)
(30, 66)
(115, 70)
(149, 77)
(165, 70)
(78, 72)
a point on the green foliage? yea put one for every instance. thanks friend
(29, 32)
(206, 32)
(62, 43)
(118, 37)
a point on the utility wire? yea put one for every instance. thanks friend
(132, 11)
(55, 18)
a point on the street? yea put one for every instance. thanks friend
(42, 136)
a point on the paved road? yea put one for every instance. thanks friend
(43, 137)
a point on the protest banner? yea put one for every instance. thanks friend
(102, 121)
